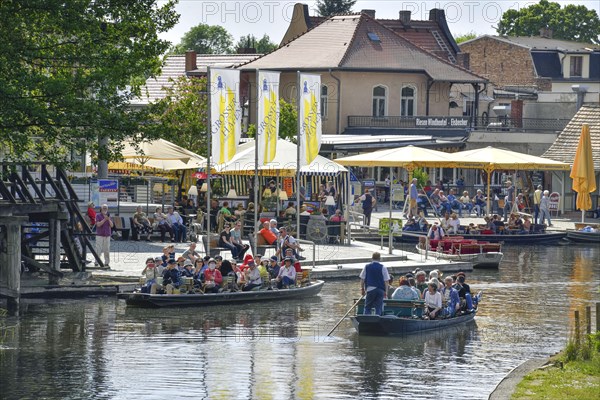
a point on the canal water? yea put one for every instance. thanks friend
(98, 348)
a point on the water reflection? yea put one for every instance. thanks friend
(100, 349)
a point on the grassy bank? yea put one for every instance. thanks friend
(573, 374)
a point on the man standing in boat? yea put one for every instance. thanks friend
(374, 280)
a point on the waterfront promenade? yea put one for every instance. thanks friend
(330, 261)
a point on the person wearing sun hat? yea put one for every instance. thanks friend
(273, 267)
(252, 276)
(287, 274)
(171, 277)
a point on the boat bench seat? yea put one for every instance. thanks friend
(400, 308)
(261, 244)
(214, 245)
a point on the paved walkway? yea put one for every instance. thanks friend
(331, 261)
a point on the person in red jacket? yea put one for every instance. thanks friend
(91, 213)
(212, 278)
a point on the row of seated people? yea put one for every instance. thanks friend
(450, 224)
(442, 203)
(446, 300)
(168, 274)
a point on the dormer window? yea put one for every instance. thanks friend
(576, 69)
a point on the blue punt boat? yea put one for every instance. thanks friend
(402, 318)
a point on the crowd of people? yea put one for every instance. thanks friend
(191, 272)
(442, 299)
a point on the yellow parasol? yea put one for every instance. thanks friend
(582, 173)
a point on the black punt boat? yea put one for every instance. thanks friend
(549, 237)
(402, 318)
(584, 236)
(138, 299)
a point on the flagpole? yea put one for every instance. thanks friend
(256, 187)
(299, 128)
(208, 153)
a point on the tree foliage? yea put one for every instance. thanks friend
(180, 117)
(288, 122)
(68, 72)
(206, 39)
(572, 22)
(326, 8)
(464, 37)
(262, 46)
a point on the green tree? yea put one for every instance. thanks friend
(288, 122)
(180, 117)
(206, 39)
(327, 8)
(69, 71)
(262, 46)
(572, 22)
(464, 37)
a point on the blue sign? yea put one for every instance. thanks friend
(108, 185)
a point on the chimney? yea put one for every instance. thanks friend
(190, 61)
(464, 60)
(246, 50)
(370, 13)
(437, 15)
(546, 32)
(405, 17)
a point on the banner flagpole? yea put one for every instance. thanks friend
(257, 187)
(208, 154)
(299, 128)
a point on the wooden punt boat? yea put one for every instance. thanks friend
(402, 318)
(548, 237)
(583, 236)
(138, 299)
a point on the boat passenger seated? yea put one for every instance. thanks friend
(251, 277)
(498, 224)
(227, 270)
(423, 224)
(464, 292)
(445, 222)
(421, 285)
(188, 269)
(454, 224)
(526, 228)
(391, 287)
(436, 232)
(273, 267)
(287, 274)
(212, 278)
(290, 253)
(171, 277)
(151, 273)
(451, 299)
(404, 291)
(433, 300)
(411, 225)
